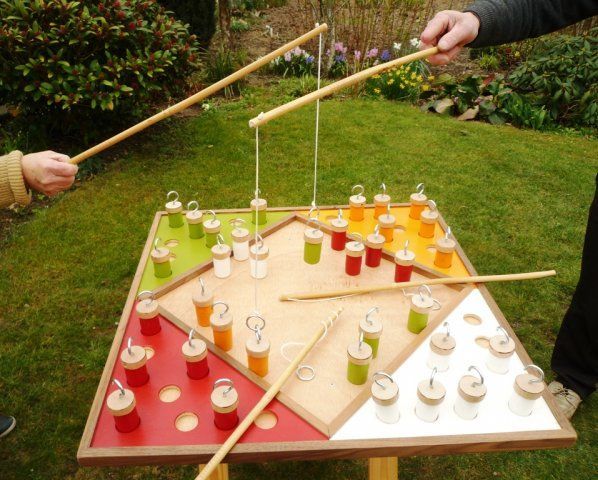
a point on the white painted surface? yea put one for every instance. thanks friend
(241, 250)
(494, 415)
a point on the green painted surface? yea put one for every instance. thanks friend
(374, 343)
(312, 253)
(191, 252)
(417, 321)
(176, 220)
(357, 374)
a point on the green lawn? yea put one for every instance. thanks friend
(517, 200)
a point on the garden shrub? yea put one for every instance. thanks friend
(200, 15)
(63, 62)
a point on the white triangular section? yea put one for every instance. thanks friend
(494, 415)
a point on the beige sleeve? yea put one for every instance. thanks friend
(12, 184)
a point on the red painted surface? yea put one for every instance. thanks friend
(150, 326)
(403, 273)
(198, 370)
(373, 256)
(353, 265)
(127, 423)
(338, 241)
(137, 377)
(168, 367)
(226, 421)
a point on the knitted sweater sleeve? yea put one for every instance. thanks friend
(12, 184)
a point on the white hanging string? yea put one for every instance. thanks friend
(257, 191)
(313, 202)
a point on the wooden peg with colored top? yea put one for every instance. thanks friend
(385, 394)
(258, 208)
(257, 347)
(212, 228)
(339, 227)
(354, 251)
(422, 304)
(526, 390)
(175, 210)
(429, 218)
(161, 259)
(203, 300)
(240, 236)
(122, 406)
(221, 258)
(500, 351)
(195, 352)
(418, 202)
(147, 311)
(445, 248)
(258, 259)
(470, 393)
(373, 248)
(225, 401)
(313, 238)
(404, 260)
(194, 217)
(372, 330)
(359, 356)
(381, 202)
(430, 395)
(387, 223)
(442, 346)
(134, 360)
(222, 327)
(357, 203)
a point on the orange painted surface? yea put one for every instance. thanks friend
(443, 260)
(224, 339)
(203, 315)
(407, 229)
(388, 234)
(379, 210)
(416, 211)
(356, 213)
(258, 365)
(426, 230)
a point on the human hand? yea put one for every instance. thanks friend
(450, 30)
(48, 172)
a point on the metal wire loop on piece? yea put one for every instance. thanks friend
(384, 375)
(172, 192)
(358, 240)
(226, 307)
(305, 378)
(224, 381)
(448, 330)
(448, 233)
(236, 222)
(157, 242)
(340, 214)
(119, 386)
(537, 369)
(420, 188)
(383, 188)
(259, 242)
(405, 246)
(504, 332)
(360, 341)
(481, 382)
(359, 189)
(257, 326)
(369, 312)
(434, 371)
(147, 295)
(424, 289)
(196, 206)
(220, 239)
(432, 205)
(203, 286)
(213, 213)
(191, 334)
(129, 345)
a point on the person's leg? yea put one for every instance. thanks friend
(575, 355)
(7, 424)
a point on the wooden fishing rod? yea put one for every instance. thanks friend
(417, 283)
(199, 96)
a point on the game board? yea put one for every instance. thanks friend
(358, 434)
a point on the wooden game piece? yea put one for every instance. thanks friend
(417, 283)
(357, 203)
(161, 260)
(195, 352)
(372, 330)
(147, 311)
(225, 401)
(418, 202)
(221, 258)
(385, 394)
(381, 202)
(526, 390)
(240, 238)
(134, 361)
(257, 347)
(203, 301)
(267, 398)
(500, 352)
(258, 259)
(470, 393)
(373, 248)
(359, 356)
(387, 223)
(194, 220)
(429, 217)
(430, 394)
(313, 238)
(445, 247)
(258, 207)
(442, 346)
(404, 260)
(222, 327)
(174, 209)
(354, 251)
(339, 227)
(422, 304)
(212, 229)
(122, 406)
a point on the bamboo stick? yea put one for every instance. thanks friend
(417, 283)
(266, 399)
(264, 118)
(193, 99)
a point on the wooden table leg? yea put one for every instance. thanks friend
(383, 468)
(221, 472)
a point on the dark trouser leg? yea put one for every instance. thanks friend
(575, 355)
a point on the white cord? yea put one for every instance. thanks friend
(257, 190)
(313, 202)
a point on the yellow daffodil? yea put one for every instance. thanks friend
(425, 87)
(431, 77)
(377, 90)
(402, 86)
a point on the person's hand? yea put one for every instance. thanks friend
(450, 31)
(48, 172)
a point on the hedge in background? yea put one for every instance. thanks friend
(199, 14)
(64, 61)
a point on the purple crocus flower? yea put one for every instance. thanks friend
(385, 57)
(357, 54)
(373, 53)
(287, 56)
(339, 58)
(310, 59)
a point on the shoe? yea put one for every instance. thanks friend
(566, 399)
(7, 425)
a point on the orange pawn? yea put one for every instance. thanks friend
(381, 202)
(357, 203)
(222, 327)
(203, 301)
(445, 247)
(418, 202)
(429, 217)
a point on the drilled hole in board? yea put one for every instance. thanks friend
(331, 217)
(186, 422)
(483, 342)
(266, 420)
(170, 393)
(173, 242)
(172, 256)
(431, 248)
(149, 352)
(472, 319)
(400, 228)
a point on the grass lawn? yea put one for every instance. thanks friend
(517, 201)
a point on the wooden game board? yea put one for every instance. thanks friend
(358, 436)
